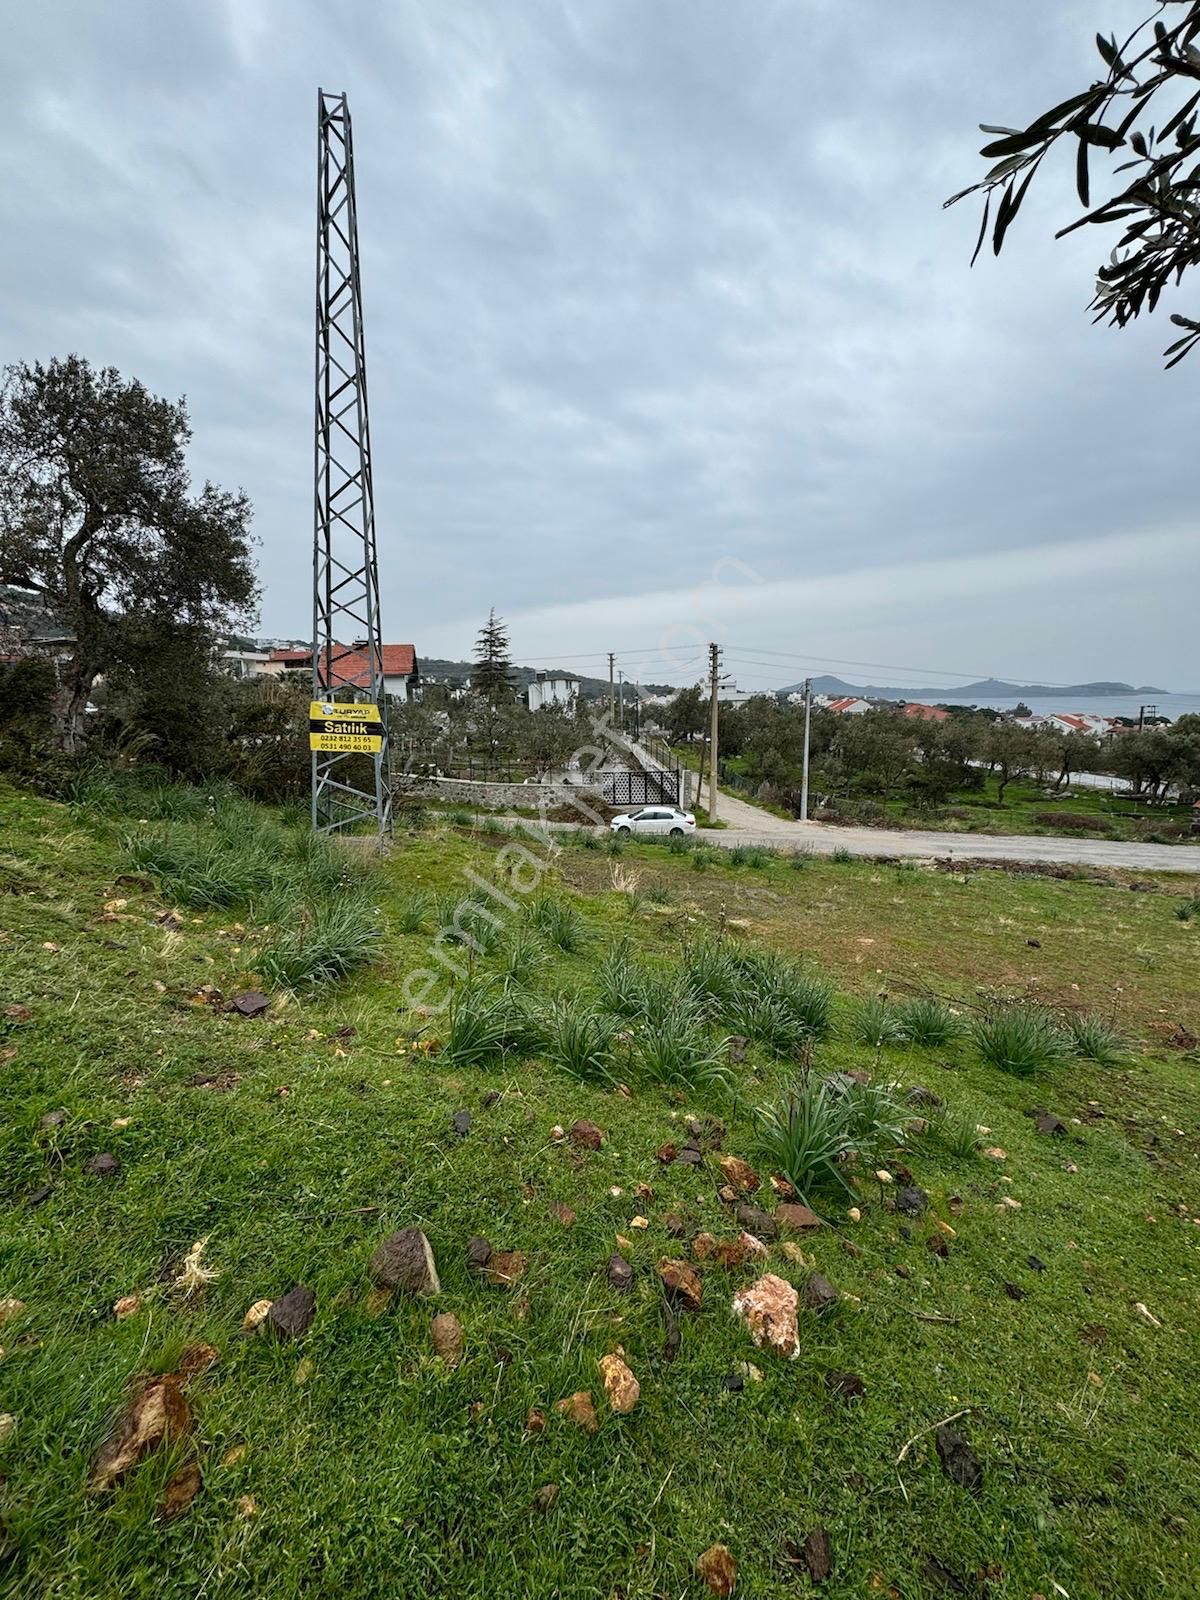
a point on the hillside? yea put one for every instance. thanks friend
(574, 1411)
(984, 689)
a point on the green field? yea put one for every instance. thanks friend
(354, 1461)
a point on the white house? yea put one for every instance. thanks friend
(547, 689)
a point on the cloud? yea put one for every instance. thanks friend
(639, 297)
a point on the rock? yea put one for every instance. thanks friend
(182, 1488)
(461, 1123)
(127, 1306)
(102, 1166)
(38, 1197)
(737, 1048)
(404, 1260)
(817, 1555)
(718, 1569)
(256, 1316)
(1049, 1125)
(938, 1245)
(954, 1204)
(800, 1258)
(535, 1420)
(291, 1316)
(640, 1223)
(681, 1284)
(848, 1247)
(752, 1246)
(704, 1246)
(768, 1308)
(902, 1271)
(159, 1414)
(846, 1385)
(819, 1294)
(479, 1253)
(731, 1254)
(666, 1153)
(446, 1332)
(690, 1155)
(995, 1152)
(1037, 1263)
(250, 1004)
(10, 1310)
(854, 1214)
(620, 1274)
(578, 1408)
(1034, 944)
(197, 1359)
(675, 1225)
(620, 1385)
(8, 1425)
(1014, 1291)
(544, 1498)
(562, 1213)
(492, 1098)
(918, 1095)
(739, 1174)
(913, 1202)
(734, 1382)
(53, 1119)
(726, 1195)
(757, 1221)
(643, 1191)
(783, 1189)
(959, 1461)
(558, 1133)
(505, 1267)
(796, 1218)
(882, 1175)
(586, 1135)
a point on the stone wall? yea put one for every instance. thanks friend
(497, 796)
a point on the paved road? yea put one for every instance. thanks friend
(747, 824)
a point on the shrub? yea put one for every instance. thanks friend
(750, 855)
(657, 895)
(523, 956)
(873, 1115)
(410, 816)
(485, 1023)
(841, 856)
(957, 1132)
(327, 942)
(1072, 821)
(413, 911)
(873, 1023)
(805, 999)
(1091, 1037)
(799, 859)
(928, 1022)
(460, 817)
(1185, 910)
(462, 920)
(1020, 1040)
(674, 1050)
(805, 1137)
(558, 921)
(680, 843)
(579, 1039)
(712, 972)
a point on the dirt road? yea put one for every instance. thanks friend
(747, 824)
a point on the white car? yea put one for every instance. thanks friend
(654, 819)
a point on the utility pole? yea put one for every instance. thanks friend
(612, 696)
(621, 700)
(714, 670)
(804, 774)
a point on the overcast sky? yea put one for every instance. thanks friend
(668, 336)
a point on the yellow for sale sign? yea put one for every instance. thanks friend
(339, 729)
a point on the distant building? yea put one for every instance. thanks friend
(914, 708)
(352, 667)
(251, 664)
(849, 705)
(550, 689)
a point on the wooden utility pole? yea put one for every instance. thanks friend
(804, 774)
(714, 670)
(612, 692)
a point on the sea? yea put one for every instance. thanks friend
(1103, 705)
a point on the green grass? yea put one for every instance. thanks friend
(298, 1140)
(926, 1021)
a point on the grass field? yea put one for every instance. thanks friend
(354, 1460)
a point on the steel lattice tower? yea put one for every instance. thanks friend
(347, 639)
